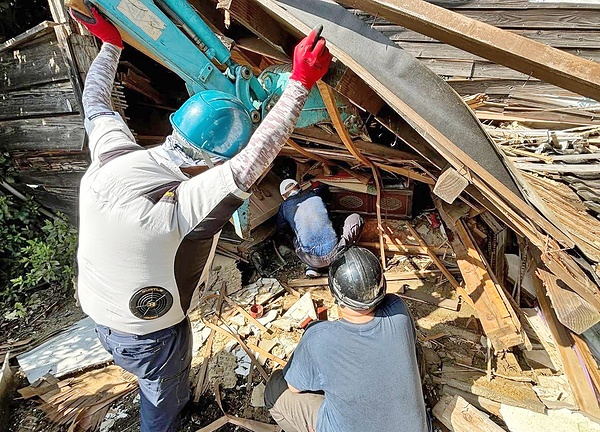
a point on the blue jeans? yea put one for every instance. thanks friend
(161, 361)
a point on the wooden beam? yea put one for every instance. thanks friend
(499, 389)
(407, 249)
(389, 276)
(571, 310)
(576, 374)
(458, 415)
(498, 318)
(62, 132)
(37, 63)
(500, 46)
(260, 23)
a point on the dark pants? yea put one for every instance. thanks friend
(353, 226)
(293, 412)
(161, 361)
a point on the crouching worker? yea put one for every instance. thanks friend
(315, 241)
(147, 218)
(356, 374)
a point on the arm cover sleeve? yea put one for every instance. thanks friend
(268, 139)
(99, 81)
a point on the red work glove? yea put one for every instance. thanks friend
(311, 60)
(98, 26)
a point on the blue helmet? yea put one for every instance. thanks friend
(215, 122)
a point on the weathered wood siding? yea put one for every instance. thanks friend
(40, 115)
(569, 26)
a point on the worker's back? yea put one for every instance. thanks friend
(143, 238)
(368, 372)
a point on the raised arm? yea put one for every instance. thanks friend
(101, 75)
(311, 61)
(99, 81)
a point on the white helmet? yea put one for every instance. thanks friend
(286, 186)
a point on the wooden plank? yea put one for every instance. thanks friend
(460, 416)
(499, 389)
(559, 168)
(43, 100)
(478, 401)
(475, 32)
(34, 64)
(538, 18)
(571, 310)
(540, 328)
(590, 362)
(468, 69)
(406, 249)
(549, 18)
(524, 4)
(260, 23)
(565, 38)
(52, 179)
(576, 374)
(423, 50)
(61, 132)
(498, 319)
(42, 29)
(438, 262)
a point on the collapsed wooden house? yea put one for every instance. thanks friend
(519, 218)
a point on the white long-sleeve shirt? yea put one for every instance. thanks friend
(146, 229)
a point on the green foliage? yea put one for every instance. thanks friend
(35, 251)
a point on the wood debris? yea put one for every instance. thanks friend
(502, 277)
(81, 402)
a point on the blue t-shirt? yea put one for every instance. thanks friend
(307, 216)
(368, 372)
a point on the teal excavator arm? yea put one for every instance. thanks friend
(172, 32)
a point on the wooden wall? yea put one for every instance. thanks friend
(569, 26)
(40, 114)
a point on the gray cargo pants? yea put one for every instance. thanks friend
(293, 412)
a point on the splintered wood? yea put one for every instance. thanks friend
(572, 311)
(497, 316)
(460, 416)
(82, 401)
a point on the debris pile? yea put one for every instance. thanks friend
(484, 213)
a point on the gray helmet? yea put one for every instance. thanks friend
(356, 279)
